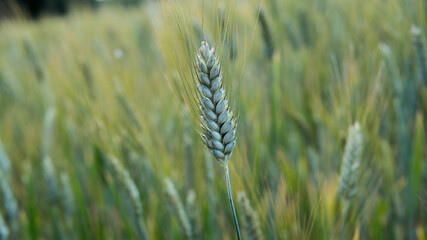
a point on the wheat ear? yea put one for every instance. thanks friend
(351, 163)
(67, 196)
(251, 225)
(193, 213)
(176, 203)
(51, 181)
(350, 171)
(419, 53)
(266, 35)
(217, 119)
(126, 182)
(4, 160)
(4, 230)
(9, 201)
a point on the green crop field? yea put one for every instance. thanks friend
(115, 125)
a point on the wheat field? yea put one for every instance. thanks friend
(98, 138)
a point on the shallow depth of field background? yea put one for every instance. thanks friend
(87, 84)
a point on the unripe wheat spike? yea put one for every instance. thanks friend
(4, 160)
(351, 162)
(266, 35)
(126, 182)
(4, 230)
(251, 224)
(9, 201)
(51, 181)
(218, 124)
(350, 174)
(48, 131)
(217, 119)
(68, 202)
(419, 53)
(193, 213)
(175, 201)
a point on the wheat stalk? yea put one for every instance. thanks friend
(178, 207)
(217, 119)
(350, 170)
(251, 225)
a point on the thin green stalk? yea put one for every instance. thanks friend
(230, 198)
(344, 220)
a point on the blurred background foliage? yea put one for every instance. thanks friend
(78, 91)
(37, 8)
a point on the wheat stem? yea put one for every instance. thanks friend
(344, 215)
(230, 198)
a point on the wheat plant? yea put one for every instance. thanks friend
(251, 225)
(217, 119)
(349, 176)
(67, 196)
(4, 230)
(4, 160)
(176, 204)
(131, 191)
(49, 175)
(266, 34)
(420, 54)
(10, 203)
